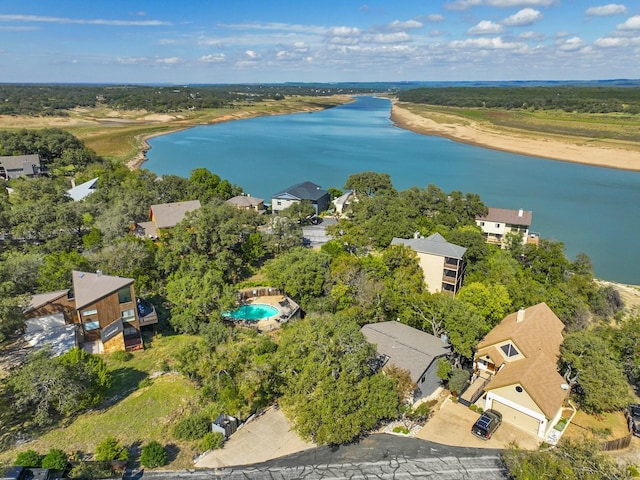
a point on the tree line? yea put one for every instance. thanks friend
(320, 368)
(57, 100)
(579, 99)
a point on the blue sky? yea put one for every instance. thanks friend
(221, 41)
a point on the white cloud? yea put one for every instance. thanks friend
(285, 27)
(344, 31)
(462, 4)
(397, 37)
(408, 25)
(526, 16)
(632, 23)
(486, 27)
(435, 17)
(571, 45)
(495, 43)
(532, 36)
(520, 3)
(606, 10)
(608, 42)
(213, 58)
(252, 54)
(168, 60)
(81, 21)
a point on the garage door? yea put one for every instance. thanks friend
(514, 417)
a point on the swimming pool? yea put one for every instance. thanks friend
(252, 312)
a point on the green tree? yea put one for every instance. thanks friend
(601, 383)
(329, 391)
(571, 460)
(111, 449)
(370, 183)
(492, 302)
(299, 211)
(12, 306)
(29, 458)
(56, 459)
(55, 271)
(153, 455)
(50, 388)
(301, 273)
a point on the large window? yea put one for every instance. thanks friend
(124, 295)
(128, 315)
(89, 312)
(91, 325)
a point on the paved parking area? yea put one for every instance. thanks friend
(451, 425)
(265, 438)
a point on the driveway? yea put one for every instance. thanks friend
(264, 438)
(451, 425)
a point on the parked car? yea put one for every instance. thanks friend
(633, 417)
(488, 423)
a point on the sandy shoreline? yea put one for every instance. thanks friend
(483, 136)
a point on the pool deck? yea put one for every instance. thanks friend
(286, 308)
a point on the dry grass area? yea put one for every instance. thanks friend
(608, 426)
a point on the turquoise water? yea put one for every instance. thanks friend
(591, 209)
(253, 312)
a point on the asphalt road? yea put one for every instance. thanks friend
(377, 456)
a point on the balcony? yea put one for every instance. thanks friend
(146, 313)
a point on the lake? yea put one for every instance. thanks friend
(590, 209)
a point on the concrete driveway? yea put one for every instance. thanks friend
(264, 438)
(451, 425)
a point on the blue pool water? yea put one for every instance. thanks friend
(253, 312)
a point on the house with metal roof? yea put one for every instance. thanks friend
(318, 197)
(443, 265)
(410, 349)
(14, 166)
(519, 359)
(499, 222)
(101, 315)
(82, 191)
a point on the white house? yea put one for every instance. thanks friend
(500, 221)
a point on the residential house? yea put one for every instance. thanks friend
(519, 358)
(80, 192)
(102, 315)
(318, 197)
(500, 221)
(442, 263)
(163, 216)
(19, 166)
(247, 202)
(410, 349)
(341, 203)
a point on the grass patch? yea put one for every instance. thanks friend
(136, 411)
(607, 426)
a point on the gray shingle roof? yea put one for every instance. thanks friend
(303, 191)
(18, 165)
(434, 245)
(245, 201)
(406, 347)
(167, 215)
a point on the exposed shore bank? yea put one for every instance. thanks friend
(481, 135)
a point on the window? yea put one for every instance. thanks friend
(497, 225)
(128, 315)
(90, 312)
(518, 389)
(124, 295)
(509, 350)
(130, 331)
(92, 325)
(278, 202)
(482, 224)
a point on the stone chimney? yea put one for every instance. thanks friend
(520, 213)
(520, 315)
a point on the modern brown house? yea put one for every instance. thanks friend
(443, 265)
(519, 360)
(103, 308)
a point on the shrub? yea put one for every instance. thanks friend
(111, 449)
(401, 429)
(122, 356)
(55, 460)
(192, 427)
(421, 412)
(458, 380)
(85, 470)
(473, 407)
(153, 455)
(211, 441)
(29, 458)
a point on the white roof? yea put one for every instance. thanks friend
(83, 190)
